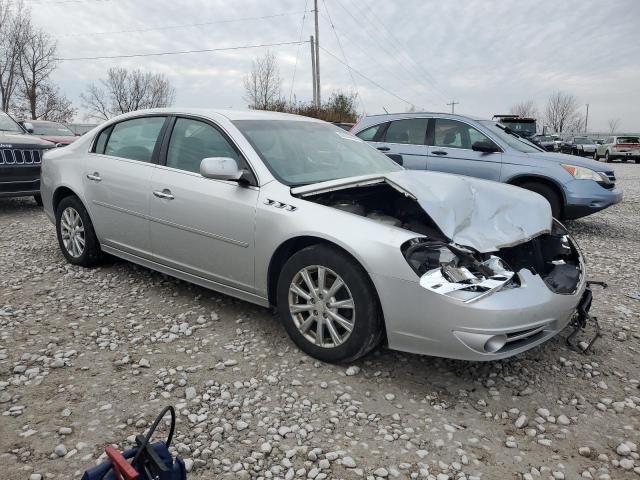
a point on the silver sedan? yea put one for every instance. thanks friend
(351, 248)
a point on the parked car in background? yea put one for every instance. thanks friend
(344, 125)
(20, 160)
(80, 129)
(622, 147)
(487, 149)
(54, 132)
(581, 146)
(546, 142)
(289, 211)
(523, 126)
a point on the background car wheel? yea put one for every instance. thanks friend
(76, 236)
(549, 193)
(595, 156)
(606, 157)
(328, 305)
(38, 198)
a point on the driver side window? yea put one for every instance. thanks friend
(192, 141)
(455, 134)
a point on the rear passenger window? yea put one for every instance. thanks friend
(192, 141)
(368, 134)
(134, 139)
(410, 131)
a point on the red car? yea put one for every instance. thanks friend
(50, 131)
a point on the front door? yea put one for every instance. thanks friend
(198, 225)
(451, 150)
(117, 183)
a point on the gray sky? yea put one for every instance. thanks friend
(486, 54)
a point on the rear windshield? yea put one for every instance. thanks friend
(628, 139)
(581, 141)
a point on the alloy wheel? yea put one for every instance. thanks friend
(72, 232)
(322, 306)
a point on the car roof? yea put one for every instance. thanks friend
(228, 113)
(392, 116)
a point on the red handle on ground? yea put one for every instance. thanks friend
(120, 464)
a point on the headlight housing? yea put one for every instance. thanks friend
(583, 173)
(455, 271)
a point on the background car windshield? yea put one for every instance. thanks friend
(581, 141)
(519, 143)
(299, 153)
(54, 130)
(7, 124)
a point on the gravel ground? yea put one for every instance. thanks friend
(89, 357)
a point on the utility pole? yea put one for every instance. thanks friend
(318, 97)
(586, 121)
(453, 105)
(313, 70)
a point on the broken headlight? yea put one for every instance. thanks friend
(455, 271)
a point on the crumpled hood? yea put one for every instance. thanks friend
(476, 213)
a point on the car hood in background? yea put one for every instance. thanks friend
(63, 139)
(471, 212)
(17, 140)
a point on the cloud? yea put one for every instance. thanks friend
(486, 54)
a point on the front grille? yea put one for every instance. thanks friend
(15, 156)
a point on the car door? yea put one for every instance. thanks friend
(451, 150)
(117, 179)
(198, 225)
(404, 141)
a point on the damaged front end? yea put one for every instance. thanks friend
(464, 274)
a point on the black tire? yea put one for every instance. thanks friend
(606, 157)
(595, 156)
(38, 198)
(91, 253)
(367, 324)
(549, 194)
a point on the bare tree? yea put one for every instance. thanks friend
(51, 104)
(126, 91)
(561, 111)
(36, 63)
(614, 124)
(15, 21)
(262, 84)
(525, 109)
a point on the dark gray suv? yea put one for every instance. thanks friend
(20, 159)
(574, 187)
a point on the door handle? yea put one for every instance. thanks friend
(383, 149)
(439, 152)
(166, 194)
(95, 176)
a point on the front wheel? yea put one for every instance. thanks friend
(76, 236)
(549, 194)
(606, 157)
(328, 305)
(595, 156)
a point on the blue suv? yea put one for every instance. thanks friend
(573, 186)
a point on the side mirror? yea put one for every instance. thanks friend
(220, 168)
(28, 126)
(485, 147)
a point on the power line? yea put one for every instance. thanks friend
(186, 25)
(295, 65)
(367, 78)
(159, 54)
(343, 55)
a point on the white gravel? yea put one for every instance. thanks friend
(89, 357)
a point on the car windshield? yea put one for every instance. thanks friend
(628, 139)
(510, 138)
(54, 129)
(543, 138)
(581, 141)
(8, 124)
(300, 152)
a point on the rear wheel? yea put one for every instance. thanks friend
(595, 156)
(606, 157)
(549, 194)
(328, 305)
(76, 236)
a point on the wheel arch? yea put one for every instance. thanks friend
(293, 245)
(519, 180)
(62, 192)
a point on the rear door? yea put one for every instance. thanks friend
(451, 150)
(198, 225)
(404, 141)
(117, 179)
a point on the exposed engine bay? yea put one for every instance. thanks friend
(457, 271)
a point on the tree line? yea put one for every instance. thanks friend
(562, 114)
